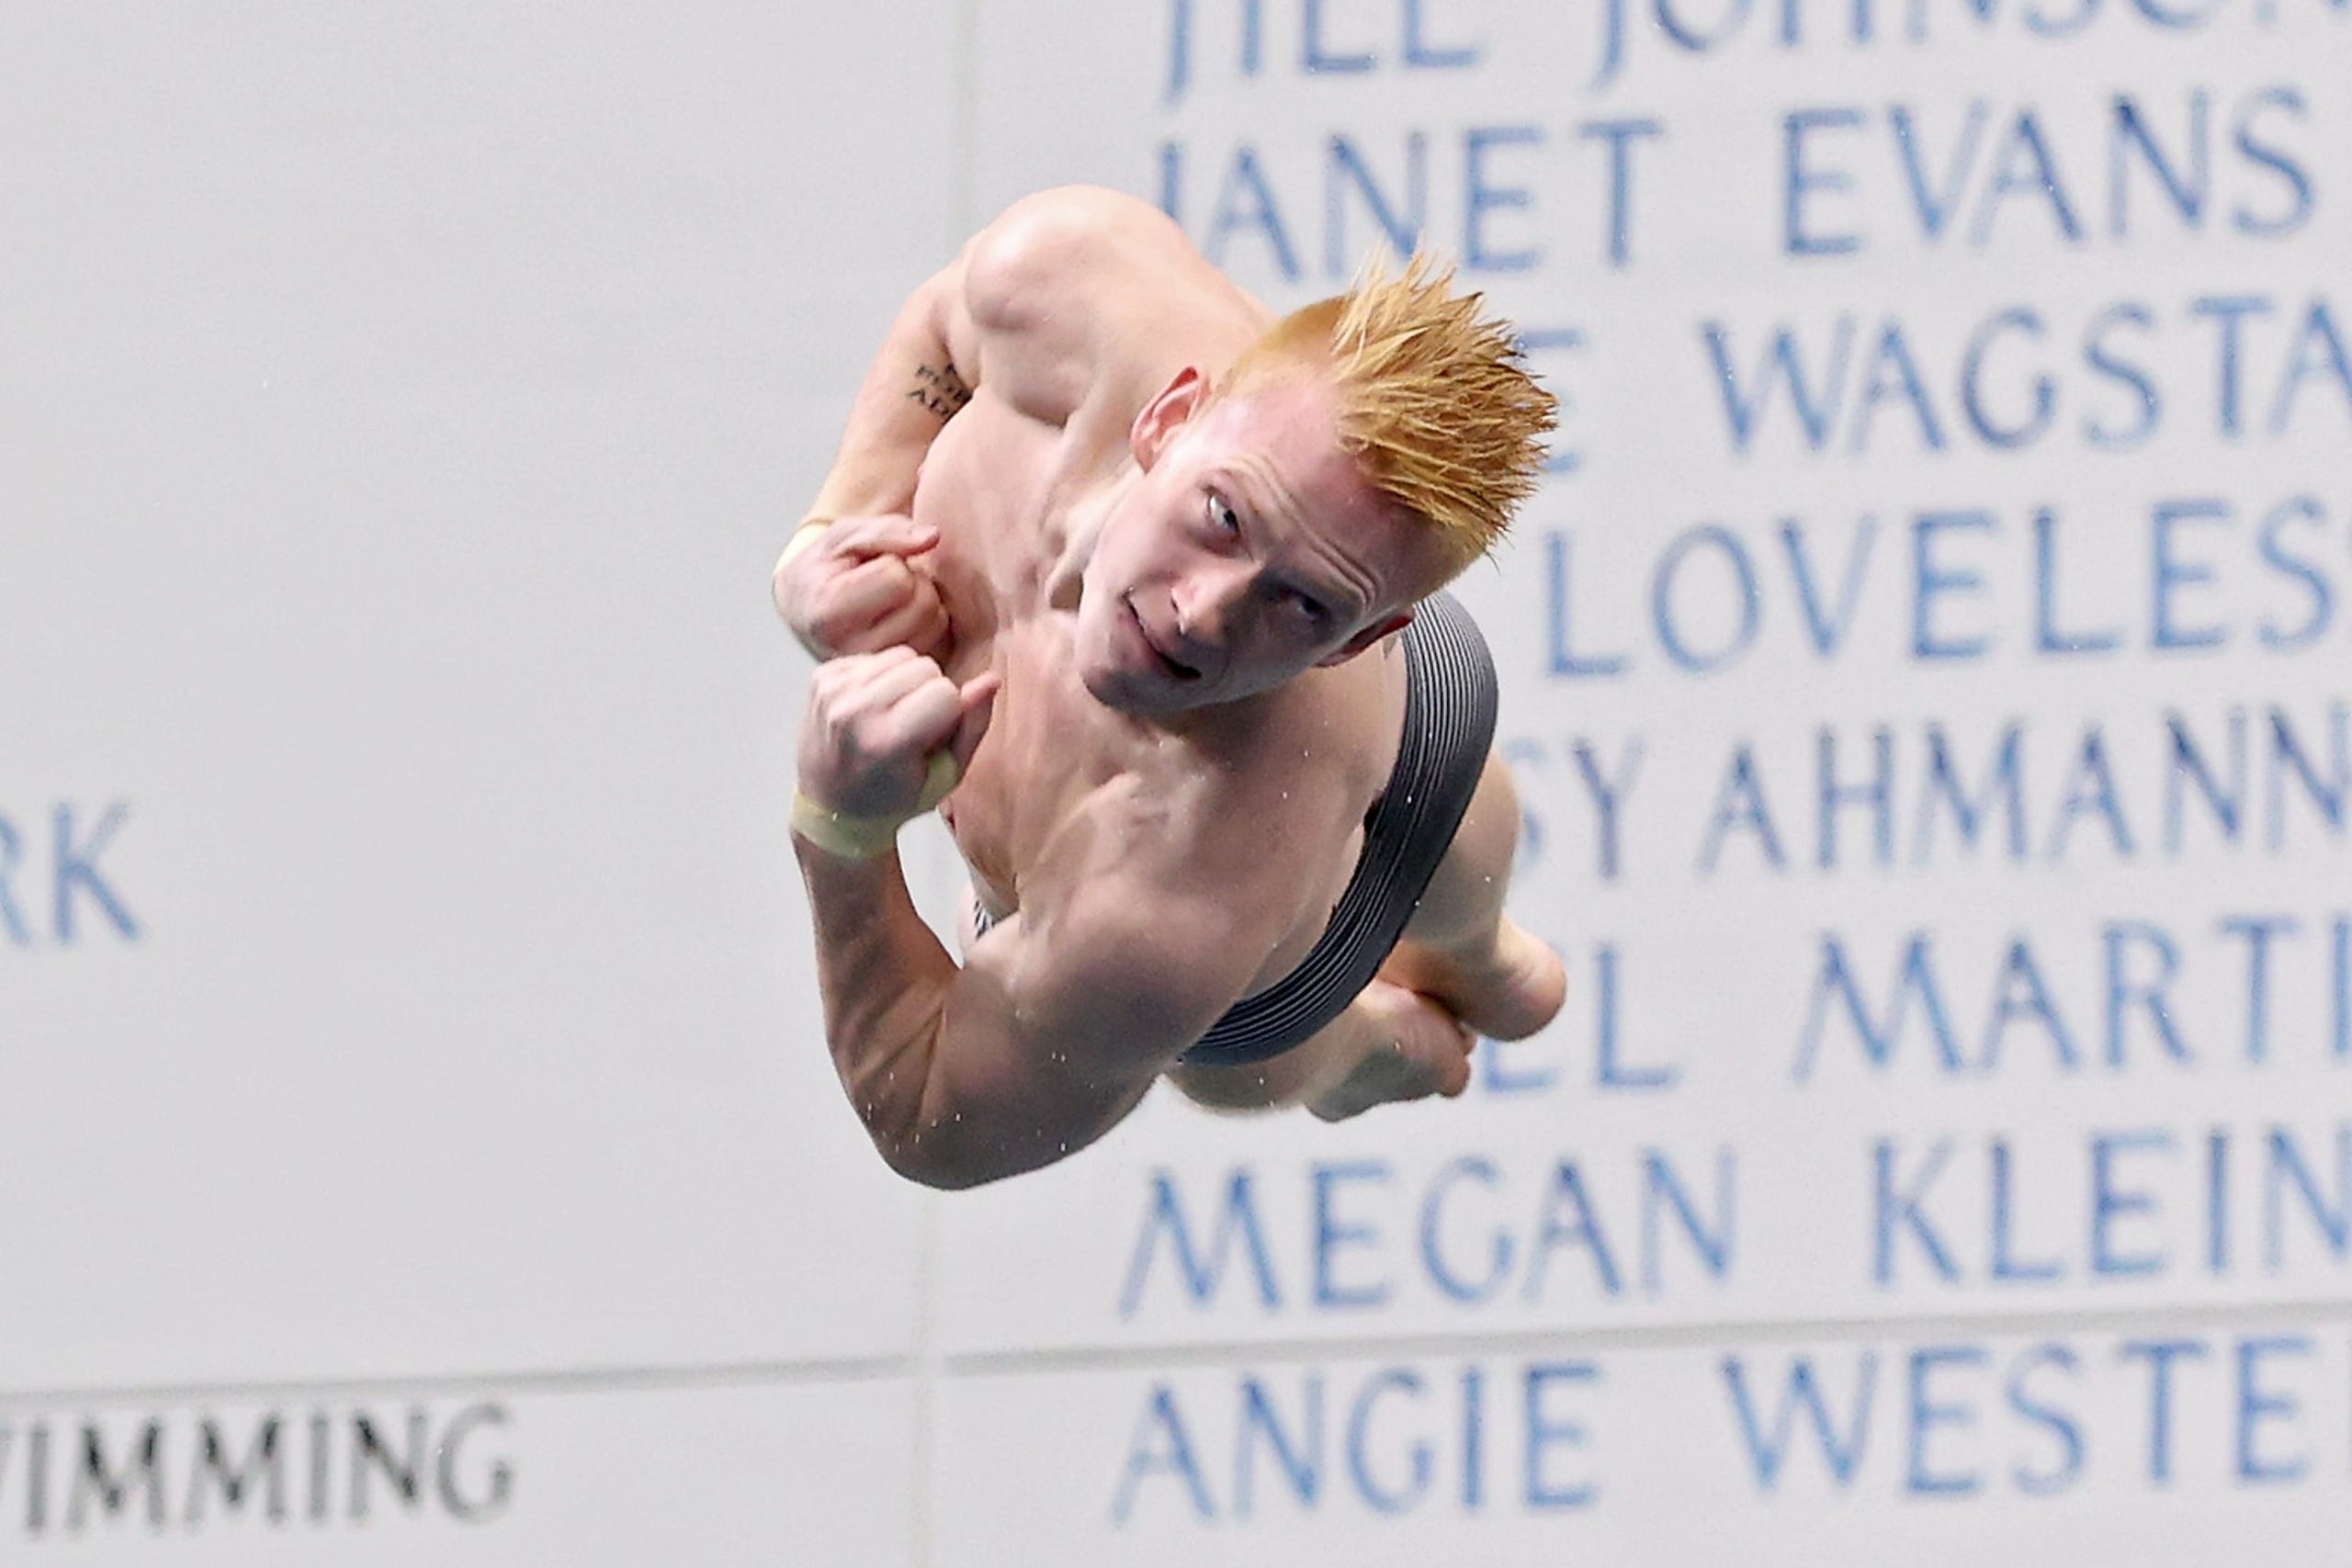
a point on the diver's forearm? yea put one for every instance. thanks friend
(892, 999)
(884, 980)
(910, 391)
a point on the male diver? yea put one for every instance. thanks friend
(1152, 580)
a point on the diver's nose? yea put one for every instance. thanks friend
(1207, 604)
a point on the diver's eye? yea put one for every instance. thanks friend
(1223, 518)
(1317, 614)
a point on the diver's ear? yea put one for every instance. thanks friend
(1366, 638)
(1166, 414)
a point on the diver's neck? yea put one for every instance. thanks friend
(1066, 578)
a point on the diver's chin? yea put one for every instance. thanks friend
(1103, 685)
(1105, 660)
(1138, 693)
(1107, 680)
(1123, 694)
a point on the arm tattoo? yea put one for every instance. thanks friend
(940, 389)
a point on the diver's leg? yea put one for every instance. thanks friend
(1460, 947)
(1391, 1043)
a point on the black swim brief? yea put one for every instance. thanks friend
(1449, 726)
(1450, 703)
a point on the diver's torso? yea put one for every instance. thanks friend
(1272, 807)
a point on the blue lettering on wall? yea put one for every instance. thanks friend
(1547, 1431)
(1201, 1274)
(1839, 1436)
(1161, 1447)
(64, 896)
(1928, 1412)
(2259, 1407)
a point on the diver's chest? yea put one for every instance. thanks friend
(1049, 745)
(1052, 747)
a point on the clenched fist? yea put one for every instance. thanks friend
(875, 721)
(864, 584)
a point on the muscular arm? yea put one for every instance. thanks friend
(1042, 1042)
(910, 391)
(1029, 303)
(1031, 299)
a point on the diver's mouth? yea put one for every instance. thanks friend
(1175, 668)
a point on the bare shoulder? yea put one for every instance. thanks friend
(1025, 264)
(1081, 289)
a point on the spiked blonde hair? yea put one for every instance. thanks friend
(1433, 401)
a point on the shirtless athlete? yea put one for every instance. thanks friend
(1095, 505)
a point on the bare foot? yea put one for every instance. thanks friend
(1509, 995)
(1419, 1049)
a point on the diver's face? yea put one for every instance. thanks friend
(1248, 550)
